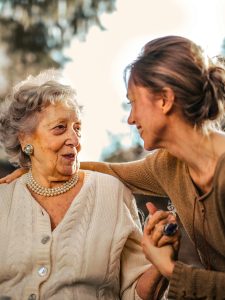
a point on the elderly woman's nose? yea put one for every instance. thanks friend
(73, 137)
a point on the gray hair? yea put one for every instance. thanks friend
(21, 108)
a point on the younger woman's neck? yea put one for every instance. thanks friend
(200, 152)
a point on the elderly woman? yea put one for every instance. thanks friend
(64, 233)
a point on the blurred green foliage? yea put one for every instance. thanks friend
(33, 33)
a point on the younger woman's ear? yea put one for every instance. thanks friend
(168, 97)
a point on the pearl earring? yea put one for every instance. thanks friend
(28, 149)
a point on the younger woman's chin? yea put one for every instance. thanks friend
(151, 145)
(148, 147)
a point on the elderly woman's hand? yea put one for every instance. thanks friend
(159, 248)
(15, 174)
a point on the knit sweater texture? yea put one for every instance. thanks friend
(93, 253)
(203, 217)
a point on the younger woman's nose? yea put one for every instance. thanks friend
(130, 119)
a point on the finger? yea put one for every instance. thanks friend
(158, 227)
(151, 208)
(158, 216)
(146, 244)
(145, 231)
(168, 240)
(4, 179)
(172, 218)
(15, 174)
(152, 228)
(157, 234)
(160, 239)
(176, 245)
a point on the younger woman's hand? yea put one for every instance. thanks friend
(14, 175)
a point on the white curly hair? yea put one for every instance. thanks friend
(21, 108)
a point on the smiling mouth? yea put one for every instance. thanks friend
(140, 133)
(139, 129)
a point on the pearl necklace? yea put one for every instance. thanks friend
(49, 192)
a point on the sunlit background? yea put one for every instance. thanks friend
(97, 65)
(104, 37)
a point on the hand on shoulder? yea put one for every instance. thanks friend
(14, 175)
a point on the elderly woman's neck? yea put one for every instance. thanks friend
(49, 179)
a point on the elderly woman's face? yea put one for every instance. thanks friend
(56, 141)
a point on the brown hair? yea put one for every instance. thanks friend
(178, 63)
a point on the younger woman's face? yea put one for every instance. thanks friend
(146, 114)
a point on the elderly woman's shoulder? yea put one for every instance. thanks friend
(7, 188)
(110, 185)
(6, 196)
(107, 180)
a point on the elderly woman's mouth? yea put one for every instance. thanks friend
(70, 156)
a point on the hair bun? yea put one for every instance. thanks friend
(214, 92)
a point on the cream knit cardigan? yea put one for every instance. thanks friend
(94, 253)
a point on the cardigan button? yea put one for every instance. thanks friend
(42, 271)
(45, 239)
(32, 297)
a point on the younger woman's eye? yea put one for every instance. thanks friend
(130, 102)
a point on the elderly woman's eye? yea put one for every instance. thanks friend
(78, 130)
(59, 127)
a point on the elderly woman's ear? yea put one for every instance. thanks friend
(22, 137)
(25, 142)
